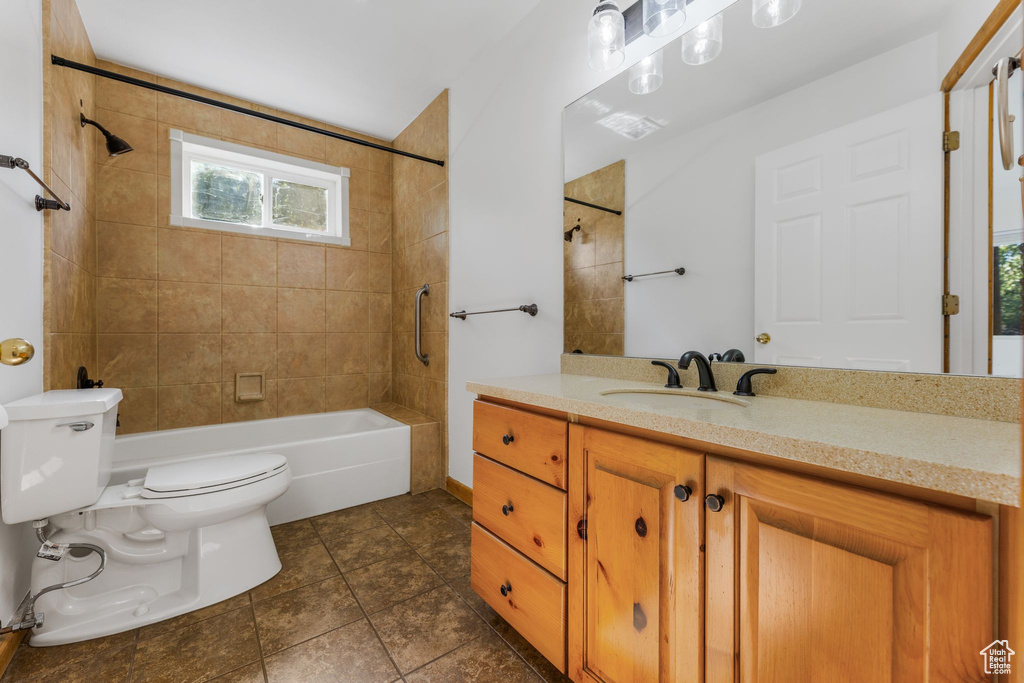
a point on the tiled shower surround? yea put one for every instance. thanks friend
(170, 314)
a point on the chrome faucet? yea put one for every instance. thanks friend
(707, 377)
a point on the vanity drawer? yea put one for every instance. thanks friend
(534, 444)
(536, 513)
(536, 604)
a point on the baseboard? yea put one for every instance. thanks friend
(9, 643)
(459, 490)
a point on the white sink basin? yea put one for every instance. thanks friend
(675, 398)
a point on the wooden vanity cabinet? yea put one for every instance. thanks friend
(811, 580)
(635, 566)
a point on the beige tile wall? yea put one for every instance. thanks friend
(180, 311)
(420, 246)
(68, 166)
(594, 298)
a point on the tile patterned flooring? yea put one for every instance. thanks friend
(378, 592)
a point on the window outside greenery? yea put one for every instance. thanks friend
(221, 193)
(1007, 286)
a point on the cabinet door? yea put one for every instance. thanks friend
(635, 580)
(809, 580)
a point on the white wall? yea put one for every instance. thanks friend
(21, 246)
(690, 202)
(506, 199)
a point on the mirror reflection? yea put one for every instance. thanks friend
(777, 196)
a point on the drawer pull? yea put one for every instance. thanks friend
(506, 588)
(506, 509)
(507, 439)
(683, 492)
(714, 502)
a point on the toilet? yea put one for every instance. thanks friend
(187, 535)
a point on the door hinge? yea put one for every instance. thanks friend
(950, 304)
(950, 140)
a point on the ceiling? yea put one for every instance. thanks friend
(755, 65)
(366, 65)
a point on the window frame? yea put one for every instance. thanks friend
(186, 147)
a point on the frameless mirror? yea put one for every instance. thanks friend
(785, 200)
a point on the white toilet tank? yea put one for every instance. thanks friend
(56, 452)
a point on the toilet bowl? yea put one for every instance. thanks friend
(185, 536)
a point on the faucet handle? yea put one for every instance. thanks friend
(743, 386)
(673, 376)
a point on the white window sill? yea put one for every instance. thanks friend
(184, 222)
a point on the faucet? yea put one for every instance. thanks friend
(707, 378)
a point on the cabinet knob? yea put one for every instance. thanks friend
(506, 588)
(506, 509)
(581, 529)
(714, 502)
(683, 492)
(507, 439)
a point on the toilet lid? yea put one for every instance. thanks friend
(210, 474)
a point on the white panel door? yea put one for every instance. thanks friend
(848, 245)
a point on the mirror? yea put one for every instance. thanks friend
(785, 201)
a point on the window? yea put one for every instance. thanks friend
(223, 186)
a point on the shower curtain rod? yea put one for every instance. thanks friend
(593, 206)
(114, 76)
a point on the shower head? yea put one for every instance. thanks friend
(570, 231)
(115, 145)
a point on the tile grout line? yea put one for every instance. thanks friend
(135, 649)
(259, 645)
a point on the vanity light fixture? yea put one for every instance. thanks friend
(704, 43)
(647, 75)
(606, 37)
(663, 17)
(771, 13)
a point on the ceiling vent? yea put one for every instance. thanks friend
(632, 126)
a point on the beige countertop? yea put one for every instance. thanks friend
(969, 457)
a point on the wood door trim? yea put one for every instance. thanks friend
(9, 643)
(988, 30)
(459, 490)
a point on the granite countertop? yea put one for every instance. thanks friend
(969, 457)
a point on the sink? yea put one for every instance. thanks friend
(676, 398)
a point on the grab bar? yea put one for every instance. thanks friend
(420, 356)
(1003, 69)
(527, 308)
(677, 271)
(18, 162)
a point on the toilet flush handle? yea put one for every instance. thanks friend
(82, 426)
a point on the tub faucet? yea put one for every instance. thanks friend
(707, 377)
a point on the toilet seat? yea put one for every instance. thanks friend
(208, 475)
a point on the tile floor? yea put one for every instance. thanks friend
(378, 592)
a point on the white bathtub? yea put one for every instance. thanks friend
(337, 459)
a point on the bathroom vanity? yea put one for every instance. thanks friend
(635, 533)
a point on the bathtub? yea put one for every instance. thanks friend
(337, 459)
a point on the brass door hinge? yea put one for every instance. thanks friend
(950, 304)
(950, 140)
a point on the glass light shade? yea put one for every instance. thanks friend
(704, 42)
(770, 13)
(663, 17)
(646, 75)
(606, 37)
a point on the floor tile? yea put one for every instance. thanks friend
(424, 628)
(348, 521)
(251, 673)
(194, 617)
(298, 568)
(487, 659)
(432, 527)
(198, 652)
(294, 536)
(449, 557)
(290, 618)
(350, 653)
(32, 662)
(401, 507)
(109, 666)
(353, 551)
(384, 583)
(441, 497)
(460, 511)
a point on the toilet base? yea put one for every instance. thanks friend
(149, 579)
